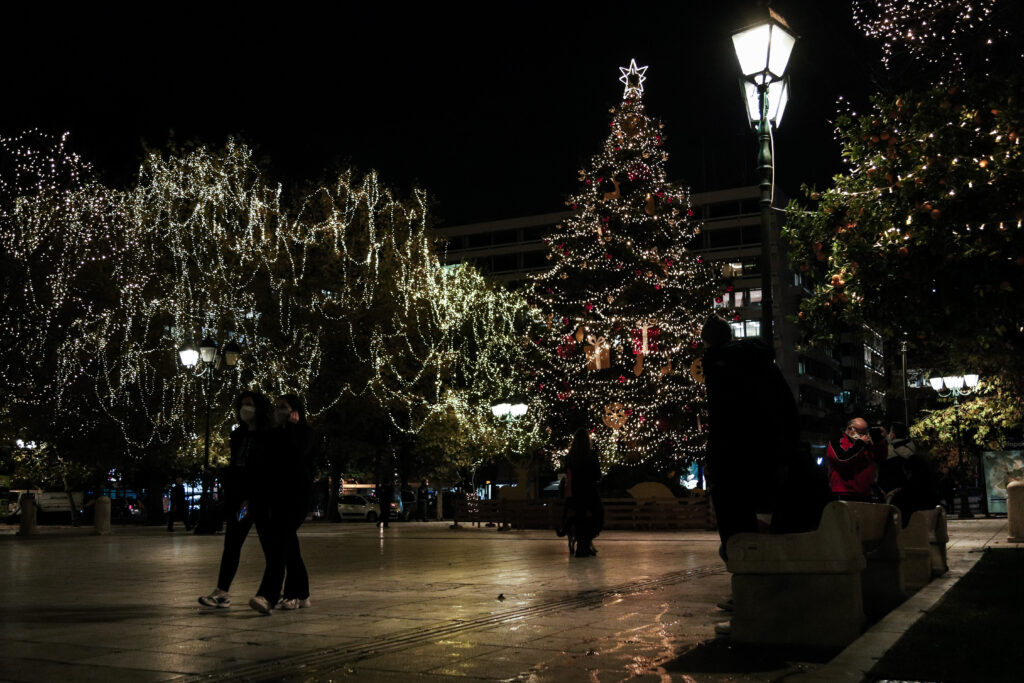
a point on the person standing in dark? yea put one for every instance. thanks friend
(281, 494)
(178, 507)
(422, 498)
(583, 500)
(385, 487)
(906, 478)
(753, 433)
(252, 412)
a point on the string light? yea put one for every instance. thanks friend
(202, 245)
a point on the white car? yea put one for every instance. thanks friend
(353, 506)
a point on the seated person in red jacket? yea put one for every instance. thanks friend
(853, 460)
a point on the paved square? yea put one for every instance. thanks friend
(415, 602)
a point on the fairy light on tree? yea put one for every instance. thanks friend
(342, 299)
(624, 300)
(923, 233)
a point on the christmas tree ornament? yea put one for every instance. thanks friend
(697, 370)
(615, 193)
(615, 416)
(638, 366)
(598, 353)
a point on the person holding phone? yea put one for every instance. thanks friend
(853, 460)
(252, 412)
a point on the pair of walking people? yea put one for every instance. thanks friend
(268, 483)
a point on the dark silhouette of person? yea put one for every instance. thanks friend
(422, 499)
(252, 413)
(282, 492)
(906, 477)
(753, 434)
(385, 488)
(178, 507)
(583, 500)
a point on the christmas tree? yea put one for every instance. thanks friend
(624, 301)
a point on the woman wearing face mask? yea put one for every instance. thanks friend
(252, 410)
(286, 476)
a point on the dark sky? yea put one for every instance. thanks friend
(489, 106)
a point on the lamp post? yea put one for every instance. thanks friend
(763, 51)
(212, 361)
(507, 410)
(906, 405)
(957, 386)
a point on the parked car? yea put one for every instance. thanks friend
(354, 506)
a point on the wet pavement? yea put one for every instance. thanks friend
(416, 602)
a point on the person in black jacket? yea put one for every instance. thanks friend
(583, 501)
(252, 411)
(753, 460)
(282, 491)
(177, 508)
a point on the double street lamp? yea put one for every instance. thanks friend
(955, 387)
(507, 411)
(212, 361)
(763, 51)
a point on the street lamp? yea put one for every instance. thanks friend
(763, 51)
(507, 410)
(957, 386)
(211, 362)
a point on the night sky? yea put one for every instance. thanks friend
(490, 107)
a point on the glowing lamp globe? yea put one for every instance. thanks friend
(189, 355)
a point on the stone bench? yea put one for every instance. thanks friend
(924, 544)
(816, 588)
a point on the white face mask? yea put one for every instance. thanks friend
(247, 413)
(281, 415)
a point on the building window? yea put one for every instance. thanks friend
(481, 239)
(726, 237)
(732, 269)
(505, 237)
(505, 262)
(755, 296)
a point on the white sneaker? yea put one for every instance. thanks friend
(217, 598)
(295, 603)
(260, 604)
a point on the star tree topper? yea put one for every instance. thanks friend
(634, 78)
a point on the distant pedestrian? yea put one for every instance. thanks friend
(248, 438)
(583, 500)
(422, 498)
(282, 490)
(178, 507)
(853, 460)
(385, 487)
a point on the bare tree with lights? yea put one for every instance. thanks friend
(624, 300)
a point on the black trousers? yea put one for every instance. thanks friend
(234, 538)
(177, 514)
(735, 511)
(280, 542)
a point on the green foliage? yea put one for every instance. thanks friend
(983, 420)
(923, 233)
